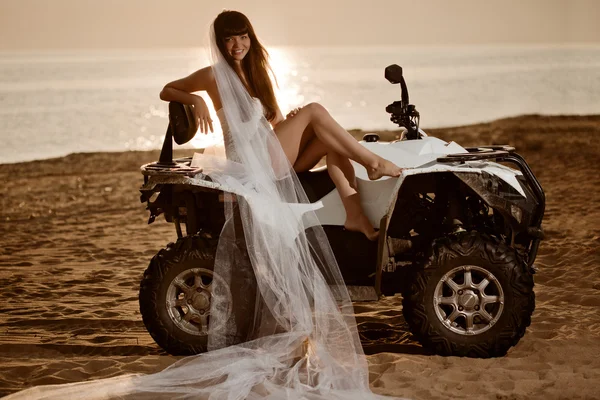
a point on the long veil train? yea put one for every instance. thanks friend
(305, 341)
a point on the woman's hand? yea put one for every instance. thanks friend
(202, 115)
(293, 112)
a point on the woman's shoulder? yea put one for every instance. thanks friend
(202, 79)
(206, 74)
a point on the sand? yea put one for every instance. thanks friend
(74, 242)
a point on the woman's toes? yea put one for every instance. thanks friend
(384, 168)
(373, 236)
(362, 225)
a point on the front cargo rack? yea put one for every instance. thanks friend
(478, 153)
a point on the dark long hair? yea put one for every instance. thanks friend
(256, 63)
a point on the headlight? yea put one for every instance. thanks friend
(517, 213)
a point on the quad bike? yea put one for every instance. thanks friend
(459, 232)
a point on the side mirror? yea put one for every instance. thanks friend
(182, 128)
(393, 73)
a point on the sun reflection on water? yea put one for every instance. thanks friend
(288, 94)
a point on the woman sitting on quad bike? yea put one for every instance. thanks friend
(306, 134)
(304, 340)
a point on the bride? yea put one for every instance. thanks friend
(304, 342)
(306, 135)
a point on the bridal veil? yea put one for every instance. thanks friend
(304, 342)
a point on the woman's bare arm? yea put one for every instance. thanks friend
(182, 91)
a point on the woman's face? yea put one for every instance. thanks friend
(237, 46)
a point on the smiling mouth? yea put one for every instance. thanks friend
(237, 52)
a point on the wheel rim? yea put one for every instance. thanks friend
(189, 298)
(468, 300)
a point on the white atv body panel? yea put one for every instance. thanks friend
(418, 156)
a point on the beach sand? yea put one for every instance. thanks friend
(74, 242)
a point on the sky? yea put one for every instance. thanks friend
(81, 24)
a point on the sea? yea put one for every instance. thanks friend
(53, 103)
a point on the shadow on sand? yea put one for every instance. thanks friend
(379, 337)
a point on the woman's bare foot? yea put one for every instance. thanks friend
(362, 224)
(383, 167)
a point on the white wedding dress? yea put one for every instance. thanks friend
(229, 146)
(304, 341)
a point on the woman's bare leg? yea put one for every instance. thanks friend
(312, 149)
(342, 174)
(310, 155)
(334, 137)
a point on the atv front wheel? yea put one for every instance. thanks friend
(176, 292)
(473, 297)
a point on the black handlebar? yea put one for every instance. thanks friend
(403, 113)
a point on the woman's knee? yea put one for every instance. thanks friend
(316, 110)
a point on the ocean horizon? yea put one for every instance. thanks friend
(56, 102)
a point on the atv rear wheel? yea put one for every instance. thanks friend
(473, 297)
(175, 295)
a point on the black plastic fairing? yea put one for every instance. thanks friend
(516, 209)
(354, 253)
(316, 184)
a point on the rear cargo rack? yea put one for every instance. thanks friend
(181, 166)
